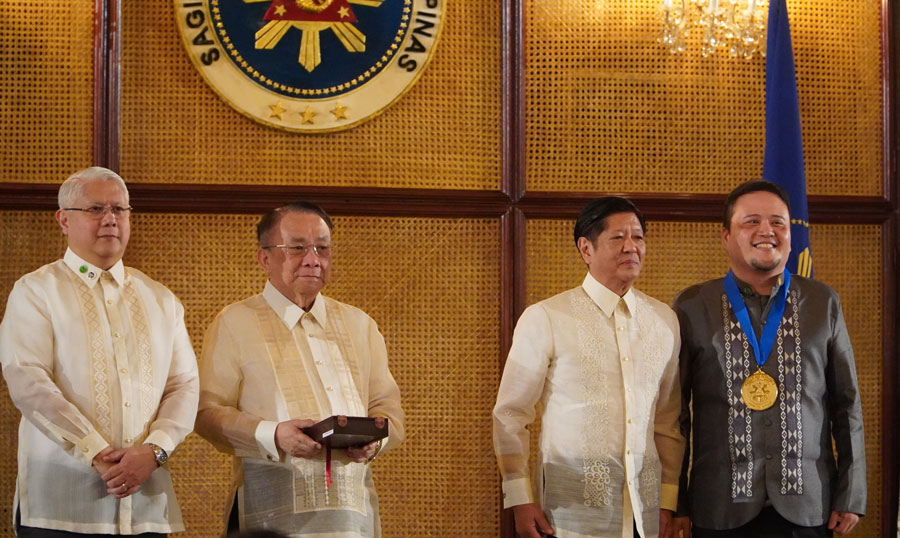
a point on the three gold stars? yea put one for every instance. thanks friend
(307, 116)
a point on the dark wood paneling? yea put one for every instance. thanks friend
(101, 78)
(890, 438)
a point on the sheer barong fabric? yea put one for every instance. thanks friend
(262, 364)
(93, 359)
(604, 370)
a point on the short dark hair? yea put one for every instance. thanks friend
(592, 220)
(270, 219)
(756, 185)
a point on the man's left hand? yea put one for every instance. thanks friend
(362, 454)
(665, 523)
(131, 467)
(842, 522)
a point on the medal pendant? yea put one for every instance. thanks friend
(759, 391)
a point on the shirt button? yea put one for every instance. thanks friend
(124, 370)
(109, 301)
(127, 404)
(329, 389)
(768, 456)
(628, 452)
(629, 421)
(625, 359)
(620, 329)
(116, 334)
(84, 449)
(128, 440)
(318, 361)
(630, 483)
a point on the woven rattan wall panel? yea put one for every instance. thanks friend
(27, 241)
(554, 266)
(610, 109)
(444, 133)
(439, 318)
(46, 93)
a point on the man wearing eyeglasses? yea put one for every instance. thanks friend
(282, 360)
(97, 359)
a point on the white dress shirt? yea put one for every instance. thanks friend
(605, 370)
(93, 359)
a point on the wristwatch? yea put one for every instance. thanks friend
(161, 456)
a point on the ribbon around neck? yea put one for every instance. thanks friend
(762, 347)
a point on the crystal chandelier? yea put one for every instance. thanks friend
(736, 25)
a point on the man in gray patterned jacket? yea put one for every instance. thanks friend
(767, 364)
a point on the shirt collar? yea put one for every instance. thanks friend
(90, 273)
(604, 297)
(747, 291)
(288, 311)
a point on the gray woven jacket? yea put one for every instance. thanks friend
(803, 489)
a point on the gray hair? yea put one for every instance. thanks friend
(73, 187)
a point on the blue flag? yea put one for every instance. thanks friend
(783, 161)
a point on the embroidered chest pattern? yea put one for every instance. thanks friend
(740, 434)
(142, 342)
(597, 485)
(96, 341)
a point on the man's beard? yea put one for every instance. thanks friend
(759, 266)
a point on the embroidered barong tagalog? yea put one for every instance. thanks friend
(310, 66)
(786, 392)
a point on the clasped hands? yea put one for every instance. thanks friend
(290, 439)
(125, 469)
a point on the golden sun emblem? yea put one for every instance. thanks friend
(312, 17)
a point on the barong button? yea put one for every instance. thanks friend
(84, 449)
(329, 389)
(768, 456)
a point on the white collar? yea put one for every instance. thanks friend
(605, 298)
(90, 273)
(288, 311)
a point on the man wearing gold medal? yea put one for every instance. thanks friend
(767, 366)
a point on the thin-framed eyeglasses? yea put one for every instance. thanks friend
(98, 211)
(299, 251)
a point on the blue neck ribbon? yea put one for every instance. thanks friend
(761, 347)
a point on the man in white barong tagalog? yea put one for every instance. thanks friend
(283, 360)
(602, 361)
(97, 358)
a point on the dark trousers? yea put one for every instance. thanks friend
(36, 532)
(768, 524)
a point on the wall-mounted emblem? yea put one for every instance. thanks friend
(310, 65)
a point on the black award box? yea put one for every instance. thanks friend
(341, 432)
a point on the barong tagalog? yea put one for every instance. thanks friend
(759, 391)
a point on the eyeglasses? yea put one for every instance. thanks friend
(99, 211)
(299, 251)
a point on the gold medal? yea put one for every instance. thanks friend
(759, 391)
